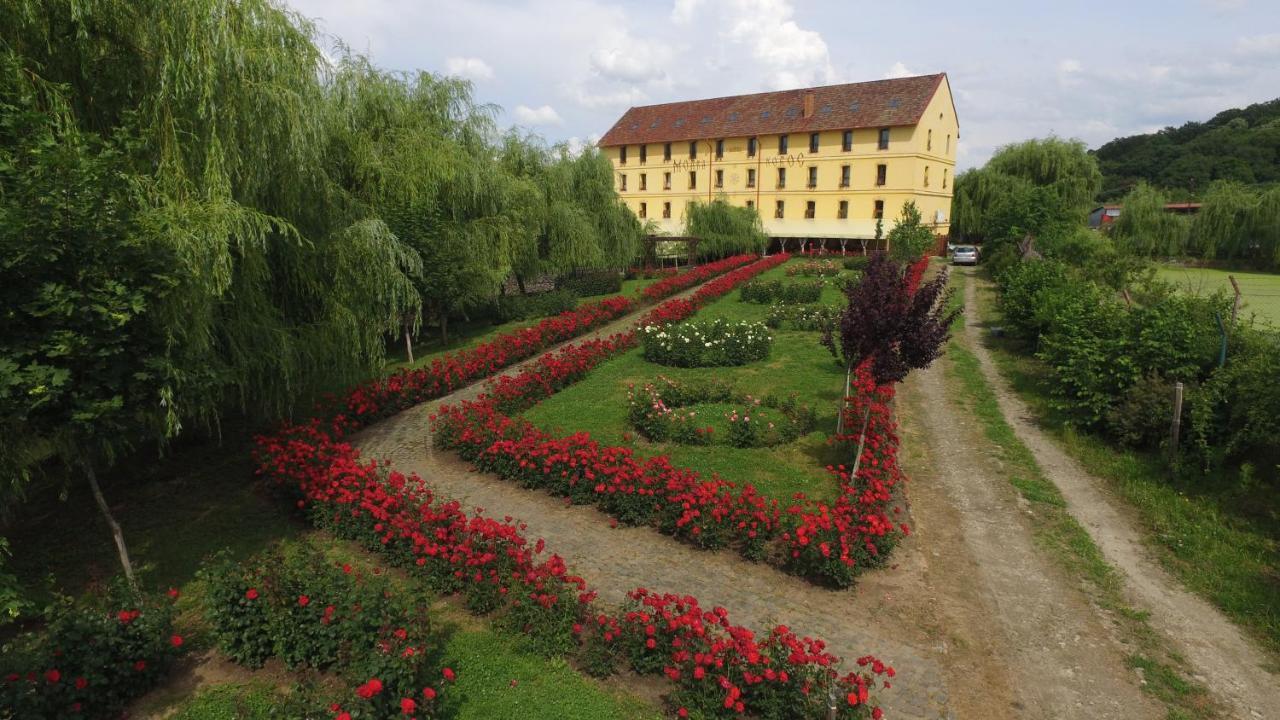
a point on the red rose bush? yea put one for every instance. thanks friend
(92, 657)
(718, 669)
(293, 604)
(675, 283)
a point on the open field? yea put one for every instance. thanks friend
(1260, 291)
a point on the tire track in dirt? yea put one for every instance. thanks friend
(1060, 657)
(885, 615)
(1227, 662)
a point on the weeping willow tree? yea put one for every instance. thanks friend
(724, 229)
(1264, 227)
(1221, 228)
(577, 221)
(254, 274)
(1146, 229)
(1065, 166)
(414, 150)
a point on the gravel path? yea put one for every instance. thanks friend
(864, 620)
(1225, 660)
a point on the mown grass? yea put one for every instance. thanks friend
(797, 364)
(465, 335)
(1069, 543)
(1260, 292)
(1219, 538)
(496, 681)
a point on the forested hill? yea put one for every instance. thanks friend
(1237, 144)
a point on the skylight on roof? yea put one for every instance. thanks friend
(825, 109)
(679, 122)
(635, 126)
(733, 117)
(654, 124)
(706, 119)
(894, 103)
(853, 106)
(764, 114)
(792, 112)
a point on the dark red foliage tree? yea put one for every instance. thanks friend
(885, 321)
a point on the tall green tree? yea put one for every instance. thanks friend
(909, 239)
(724, 229)
(1145, 228)
(199, 256)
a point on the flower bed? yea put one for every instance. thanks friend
(673, 311)
(658, 413)
(385, 396)
(718, 668)
(803, 317)
(293, 604)
(777, 291)
(827, 542)
(497, 568)
(92, 658)
(671, 285)
(814, 268)
(711, 344)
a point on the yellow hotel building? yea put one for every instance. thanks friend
(821, 162)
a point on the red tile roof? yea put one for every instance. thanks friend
(879, 103)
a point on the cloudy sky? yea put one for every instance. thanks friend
(1090, 70)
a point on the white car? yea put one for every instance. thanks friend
(964, 255)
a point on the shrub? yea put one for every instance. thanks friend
(777, 291)
(706, 344)
(856, 262)
(657, 413)
(1020, 284)
(523, 307)
(293, 603)
(803, 317)
(814, 268)
(585, 283)
(891, 320)
(92, 658)
(1237, 416)
(1141, 418)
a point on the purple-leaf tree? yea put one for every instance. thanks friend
(900, 330)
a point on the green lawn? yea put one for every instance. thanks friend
(798, 364)
(464, 335)
(1260, 291)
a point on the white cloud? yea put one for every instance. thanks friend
(898, 70)
(577, 144)
(1259, 45)
(623, 98)
(624, 58)
(543, 115)
(469, 67)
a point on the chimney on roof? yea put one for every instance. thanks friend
(808, 104)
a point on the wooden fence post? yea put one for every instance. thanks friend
(1235, 305)
(1176, 429)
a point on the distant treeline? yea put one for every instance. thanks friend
(1238, 145)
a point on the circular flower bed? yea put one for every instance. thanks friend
(662, 412)
(706, 344)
